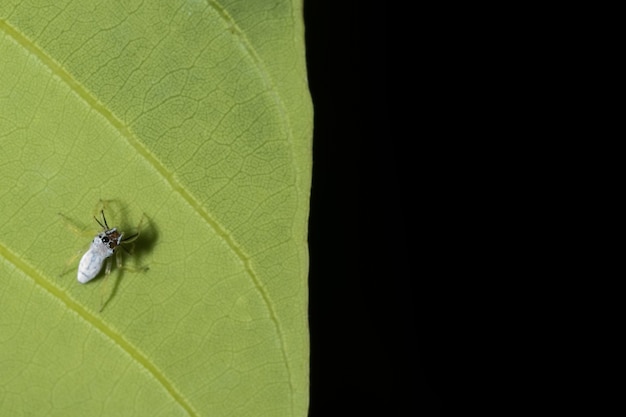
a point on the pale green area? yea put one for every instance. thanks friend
(197, 115)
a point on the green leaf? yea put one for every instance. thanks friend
(195, 116)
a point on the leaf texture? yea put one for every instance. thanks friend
(194, 116)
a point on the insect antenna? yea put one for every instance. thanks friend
(104, 219)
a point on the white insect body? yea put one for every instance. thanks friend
(103, 246)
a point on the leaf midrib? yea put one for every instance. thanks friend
(98, 324)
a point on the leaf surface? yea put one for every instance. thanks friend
(193, 120)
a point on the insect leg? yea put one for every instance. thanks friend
(133, 237)
(74, 227)
(105, 281)
(69, 264)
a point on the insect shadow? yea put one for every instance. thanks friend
(139, 247)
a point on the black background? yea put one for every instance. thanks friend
(366, 350)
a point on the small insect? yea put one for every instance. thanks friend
(103, 246)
